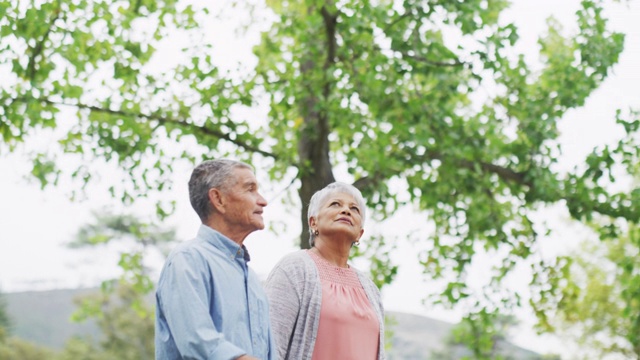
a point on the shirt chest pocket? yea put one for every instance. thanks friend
(259, 313)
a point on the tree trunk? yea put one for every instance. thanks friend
(313, 147)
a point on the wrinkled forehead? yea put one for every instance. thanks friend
(242, 176)
(339, 195)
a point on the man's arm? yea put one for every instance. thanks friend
(184, 294)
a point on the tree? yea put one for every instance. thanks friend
(466, 332)
(122, 309)
(130, 289)
(13, 348)
(18, 349)
(599, 304)
(5, 321)
(77, 348)
(387, 92)
(125, 317)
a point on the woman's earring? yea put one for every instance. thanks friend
(356, 243)
(316, 233)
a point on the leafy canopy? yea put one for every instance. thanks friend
(599, 304)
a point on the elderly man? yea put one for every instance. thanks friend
(210, 304)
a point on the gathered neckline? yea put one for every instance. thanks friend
(335, 274)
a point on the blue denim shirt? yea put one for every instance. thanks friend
(209, 304)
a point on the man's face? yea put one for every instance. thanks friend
(243, 202)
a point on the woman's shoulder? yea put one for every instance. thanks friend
(365, 279)
(296, 267)
(298, 258)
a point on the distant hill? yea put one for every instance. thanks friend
(43, 317)
(416, 337)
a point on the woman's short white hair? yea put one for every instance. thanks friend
(321, 196)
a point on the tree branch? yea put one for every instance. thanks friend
(396, 21)
(504, 173)
(39, 47)
(428, 62)
(161, 119)
(368, 181)
(330, 21)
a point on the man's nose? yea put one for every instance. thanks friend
(261, 200)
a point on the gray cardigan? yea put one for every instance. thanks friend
(295, 295)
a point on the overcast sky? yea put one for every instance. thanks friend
(35, 224)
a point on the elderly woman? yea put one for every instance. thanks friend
(322, 308)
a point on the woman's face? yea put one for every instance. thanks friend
(339, 215)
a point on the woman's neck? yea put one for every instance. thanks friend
(335, 254)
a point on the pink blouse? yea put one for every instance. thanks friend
(348, 326)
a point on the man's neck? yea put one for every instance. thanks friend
(223, 228)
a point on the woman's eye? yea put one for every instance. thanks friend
(334, 203)
(355, 208)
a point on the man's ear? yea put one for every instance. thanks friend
(216, 199)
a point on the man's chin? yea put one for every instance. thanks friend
(259, 226)
(258, 222)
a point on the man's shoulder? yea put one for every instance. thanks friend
(183, 246)
(193, 248)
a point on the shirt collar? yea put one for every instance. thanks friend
(223, 243)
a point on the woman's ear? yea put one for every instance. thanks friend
(312, 222)
(216, 198)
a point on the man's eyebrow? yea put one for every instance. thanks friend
(250, 183)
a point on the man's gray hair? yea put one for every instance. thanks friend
(210, 174)
(321, 196)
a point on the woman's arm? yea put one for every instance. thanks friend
(284, 307)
